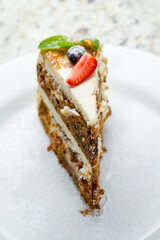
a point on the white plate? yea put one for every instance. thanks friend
(38, 199)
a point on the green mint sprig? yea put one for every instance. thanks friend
(56, 42)
(61, 41)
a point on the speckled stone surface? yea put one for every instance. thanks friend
(132, 23)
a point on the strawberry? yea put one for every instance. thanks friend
(83, 68)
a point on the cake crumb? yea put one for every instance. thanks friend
(101, 191)
(87, 212)
(104, 149)
(49, 148)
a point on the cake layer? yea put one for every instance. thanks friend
(88, 137)
(52, 111)
(80, 171)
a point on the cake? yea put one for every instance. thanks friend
(72, 107)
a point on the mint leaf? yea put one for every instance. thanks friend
(56, 42)
(93, 43)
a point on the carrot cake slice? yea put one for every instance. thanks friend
(72, 106)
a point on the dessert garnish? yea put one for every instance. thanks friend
(62, 41)
(74, 53)
(85, 63)
(82, 69)
(56, 42)
(92, 43)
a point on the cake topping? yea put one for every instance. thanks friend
(74, 53)
(89, 43)
(61, 41)
(85, 66)
(56, 42)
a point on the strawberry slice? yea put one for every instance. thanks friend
(82, 69)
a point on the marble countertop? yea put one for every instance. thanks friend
(132, 23)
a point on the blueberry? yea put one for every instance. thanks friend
(74, 53)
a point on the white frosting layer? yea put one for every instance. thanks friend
(82, 95)
(69, 141)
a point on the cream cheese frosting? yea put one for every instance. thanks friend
(67, 111)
